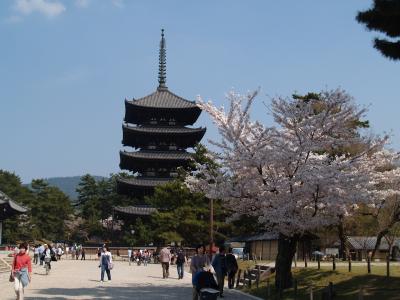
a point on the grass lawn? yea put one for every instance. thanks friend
(346, 284)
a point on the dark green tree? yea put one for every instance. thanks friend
(384, 17)
(49, 208)
(89, 206)
(184, 216)
(49, 211)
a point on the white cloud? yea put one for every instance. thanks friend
(82, 3)
(50, 8)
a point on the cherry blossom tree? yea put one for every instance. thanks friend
(288, 176)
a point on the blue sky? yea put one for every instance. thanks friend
(66, 67)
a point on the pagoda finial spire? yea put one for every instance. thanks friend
(162, 67)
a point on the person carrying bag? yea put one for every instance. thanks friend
(21, 273)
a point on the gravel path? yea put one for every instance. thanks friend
(80, 280)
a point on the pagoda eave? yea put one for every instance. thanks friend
(138, 114)
(142, 160)
(141, 136)
(139, 187)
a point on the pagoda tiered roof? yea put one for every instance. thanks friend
(155, 126)
(158, 155)
(135, 210)
(163, 98)
(140, 136)
(139, 186)
(161, 104)
(143, 159)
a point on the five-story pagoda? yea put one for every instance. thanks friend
(156, 126)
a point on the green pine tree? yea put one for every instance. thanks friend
(384, 17)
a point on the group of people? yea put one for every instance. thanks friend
(58, 251)
(223, 264)
(166, 257)
(76, 251)
(44, 254)
(139, 256)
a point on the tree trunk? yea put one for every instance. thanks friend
(379, 237)
(283, 266)
(343, 240)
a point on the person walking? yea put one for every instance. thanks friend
(231, 267)
(180, 262)
(36, 255)
(165, 258)
(145, 257)
(130, 255)
(83, 254)
(21, 272)
(41, 256)
(77, 252)
(219, 265)
(47, 256)
(106, 263)
(198, 263)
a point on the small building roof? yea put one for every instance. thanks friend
(9, 207)
(265, 236)
(368, 243)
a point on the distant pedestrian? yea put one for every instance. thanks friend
(41, 256)
(77, 252)
(98, 253)
(36, 255)
(180, 262)
(47, 255)
(130, 255)
(146, 256)
(165, 258)
(198, 263)
(83, 254)
(60, 252)
(232, 267)
(106, 263)
(219, 265)
(21, 271)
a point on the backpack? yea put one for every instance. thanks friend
(180, 258)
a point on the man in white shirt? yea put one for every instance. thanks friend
(165, 258)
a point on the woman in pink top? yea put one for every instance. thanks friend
(21, 270)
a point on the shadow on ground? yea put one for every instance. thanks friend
(109, 292)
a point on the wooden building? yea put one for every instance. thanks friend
(157, 128)
(8, 208)
(264, 246)
(360, 246)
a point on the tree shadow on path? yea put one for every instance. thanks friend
(109, 292)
